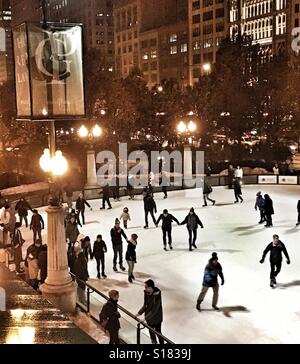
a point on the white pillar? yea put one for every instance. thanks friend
(58, 288)
(188, 167)
(91, 170)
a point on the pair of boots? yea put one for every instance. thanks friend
(103, 275)
(198, 307)
(193, 246)
(165, 247)
(130, 278)
(121, 267)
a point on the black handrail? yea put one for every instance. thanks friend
(140, 324)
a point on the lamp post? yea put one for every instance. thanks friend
(186, 129)
(91, 187)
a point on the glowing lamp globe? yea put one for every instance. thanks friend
(181, 127)
(97, 131)
(83, 132)
(45, 161)
(59, 164)
(192, 127)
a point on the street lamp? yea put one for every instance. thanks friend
(91, 135)
(206, 67)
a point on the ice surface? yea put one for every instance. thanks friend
(252, 312)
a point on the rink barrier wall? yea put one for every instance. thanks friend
(87, 308)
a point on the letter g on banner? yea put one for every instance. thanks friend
(2, 300)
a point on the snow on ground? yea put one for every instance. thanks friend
(252, 312)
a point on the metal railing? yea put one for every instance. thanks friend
(90, 308)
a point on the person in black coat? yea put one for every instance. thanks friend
(43, 264)
(116, 234)
(86, 248)
(192, 221)
(109, 317)
(167, 220)
(131, 256)
(298, 209)
(152, 309)
(99, 251)
(80, 270)
(207, 190)
(230, 176)
(22, 208)
(237, 190)
(80, 207)
(105, 197)
(269, 210)
(17, 242)
(149, 207)
(276, 248)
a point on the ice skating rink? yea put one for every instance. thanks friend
(251, 311)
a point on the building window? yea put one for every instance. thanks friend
(297, 8)
(207, 43)
(296, 23)
(196, 19)
(173, 38)
(183, 48)
(208, 57)
(207, 29)
(220, 13)
(196, 72)
(208, 15)
(196, 45)
(173, 50)
(219, 27)
(196, 59)
(196, 5)
(145, 56)
(207, 3)
(153, 66)
(144, 44)
(196, 32)
(153, 42)
(153, 54)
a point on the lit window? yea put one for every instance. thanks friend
(183, 48)
(173, 38)
(173, 50)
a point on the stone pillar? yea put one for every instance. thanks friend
(91, 189)
(58, 288)
(188, 167)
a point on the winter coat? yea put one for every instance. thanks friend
(17, 239)
(31, 260)
(211, 274)
(269, 210)
(125, 216)
(106, 191)
(116, 236)
(192, 222)
(72, 232)
(207, 189)
(42, 264)
(167, 221)
(131, 253)
(37, 222)
(237, 187)
(99, 249)
(80, 270)
(276, 252)
(87, 249)
(149, 203)
(110, 312)
(260, 202)
(298, 206)
(22, 208)
(152, 307)
(80, 204)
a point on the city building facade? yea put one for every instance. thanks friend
(6, 67)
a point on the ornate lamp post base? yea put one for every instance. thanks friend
(59, 288)
(188, 167)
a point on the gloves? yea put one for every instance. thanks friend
(288, 261)
(222, 284)
(261, 261)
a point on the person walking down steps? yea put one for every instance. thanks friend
(211, 273)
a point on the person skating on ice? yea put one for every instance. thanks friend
(298, 209)
(125, 217)
(167, 220)
(211, 273)
(99, 251)
(81, 202)
(237, 190)
(269, 210)
(260, 204)
(131, 256)
(105, 197)
(116, 234)
(149, 208)
(276, 248)
(207, 190)
(192, 221)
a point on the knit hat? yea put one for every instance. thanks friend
(150, 283)
(215, 256)
(134, 236)
(117, 221)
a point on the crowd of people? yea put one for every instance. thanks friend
(80, 249)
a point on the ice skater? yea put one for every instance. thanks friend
(125, 217)
(207, 190)
(269, 210)
(276, 248)
(298, 209)
(260, 204)
(167, 220)
(192, 221)
(80, 207)
(99, 251)
(237, 190)
(105, 197)
(131, 256)
(149, 208)
(116, 234)
(211, 273)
